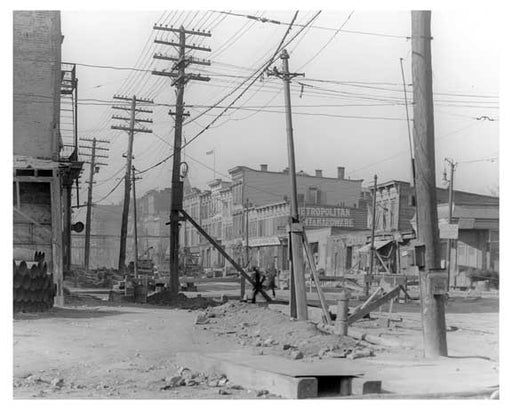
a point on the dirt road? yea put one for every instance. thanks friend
(100, 350)
(108, 352)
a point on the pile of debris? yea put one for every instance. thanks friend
(272, 332)
(186, 377)
(166, 298)
(97, 278)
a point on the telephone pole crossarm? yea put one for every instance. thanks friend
(181, 78)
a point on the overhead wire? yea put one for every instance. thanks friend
(255, 75)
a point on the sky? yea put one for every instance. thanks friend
(350, 111)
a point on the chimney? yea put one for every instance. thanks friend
(341, 172)
(264, 167)
(318, 173)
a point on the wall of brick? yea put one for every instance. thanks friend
(270, 187)
(37, 66)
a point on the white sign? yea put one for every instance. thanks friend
(269, 241)
(449, 231)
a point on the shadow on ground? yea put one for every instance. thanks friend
(68, 313)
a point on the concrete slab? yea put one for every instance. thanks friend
(252, 378)
(287, 378)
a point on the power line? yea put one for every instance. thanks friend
(255, 75)
(272, 21)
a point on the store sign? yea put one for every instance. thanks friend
(449, 231)
(328, 216)
(266, 241)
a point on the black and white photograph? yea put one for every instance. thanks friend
(213, 201)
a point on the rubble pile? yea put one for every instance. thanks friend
(186, 377)
(271, 332)
(181, 301)
(33, 287)
(97, 278)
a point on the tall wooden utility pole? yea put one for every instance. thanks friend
(298, 289)
(372, 244)
(449, 245)
(135, 238)
(433, 285)
(180, 79)
(247, 259)
(93, 169)
(131, 129)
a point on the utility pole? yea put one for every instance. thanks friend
(94, 168)
(433, 285)
(296, 228)
(135, 267)
(246, 223)
(372, 245)
(131, 129)
(180, 80)
(453, 165)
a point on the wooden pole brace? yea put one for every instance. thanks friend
(223, 253)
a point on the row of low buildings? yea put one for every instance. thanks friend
(335, 211)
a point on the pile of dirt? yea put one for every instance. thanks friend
(272, 332)
(180, 301)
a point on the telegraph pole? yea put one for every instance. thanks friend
(93, 169)
(432, 283)
(136, 243)
(372, 245)
(246, 222)
(296, 229)
(180, 79)
(131, 129)
(453, 165)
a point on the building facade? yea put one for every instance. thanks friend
(248, 216)
(45, 162)
(477, 218)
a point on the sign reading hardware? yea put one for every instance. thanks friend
(325, 216)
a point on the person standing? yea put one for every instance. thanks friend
(272, 273)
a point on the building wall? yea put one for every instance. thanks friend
(36, 69)
(261, 188)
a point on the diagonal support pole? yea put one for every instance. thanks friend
(223, 252)
(312, 267)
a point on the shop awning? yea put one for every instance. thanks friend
(377, 246)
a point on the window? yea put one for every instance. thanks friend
(348, 260)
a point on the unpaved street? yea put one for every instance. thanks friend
(100, 350)
(108, 352)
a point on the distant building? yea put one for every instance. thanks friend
(326, 205)
(45, 162)
(477, 217)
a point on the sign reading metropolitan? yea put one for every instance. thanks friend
(332, 216)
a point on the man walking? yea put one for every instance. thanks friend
(258, 280)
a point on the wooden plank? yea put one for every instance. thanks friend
(312, 267)
(374, 305)
(57, 255)
(223, 253)
(382, 262)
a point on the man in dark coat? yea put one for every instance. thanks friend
(258, 280)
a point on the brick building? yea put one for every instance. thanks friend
(326, 205)
(45, 163)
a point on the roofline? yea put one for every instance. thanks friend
(298, 174)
